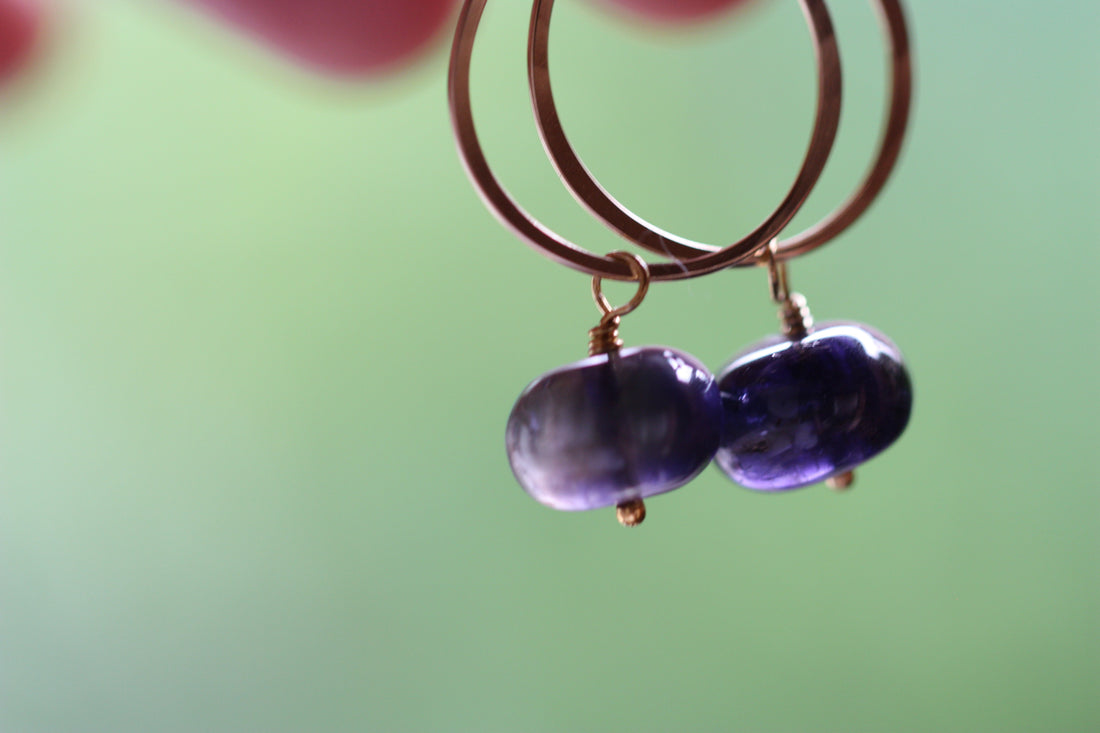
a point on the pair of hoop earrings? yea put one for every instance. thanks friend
(799, 408)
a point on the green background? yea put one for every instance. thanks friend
(259, 340)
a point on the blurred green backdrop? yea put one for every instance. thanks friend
(259, 340)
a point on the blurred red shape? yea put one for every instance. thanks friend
(676, 10)
(20, 26)
(344, 37)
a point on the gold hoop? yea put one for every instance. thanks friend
(513, 216)
(588, 191)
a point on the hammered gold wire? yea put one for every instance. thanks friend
(604, 338)
(794, 314)
(777, 272)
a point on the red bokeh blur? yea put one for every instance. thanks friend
(369, 37)
(20, 27)
(338, 37)
(676, 10)
(343, 37)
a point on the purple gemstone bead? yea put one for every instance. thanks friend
(614, 427)
(799, 412)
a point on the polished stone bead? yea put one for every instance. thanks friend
(799, 412)
(614, 427)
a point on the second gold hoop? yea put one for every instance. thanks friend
(588, 191)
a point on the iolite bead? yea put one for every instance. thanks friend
(614, 428)
(799, 411)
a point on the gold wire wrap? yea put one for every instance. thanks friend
(604, 338)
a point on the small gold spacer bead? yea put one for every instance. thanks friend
(841, 482)
(631, 513)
